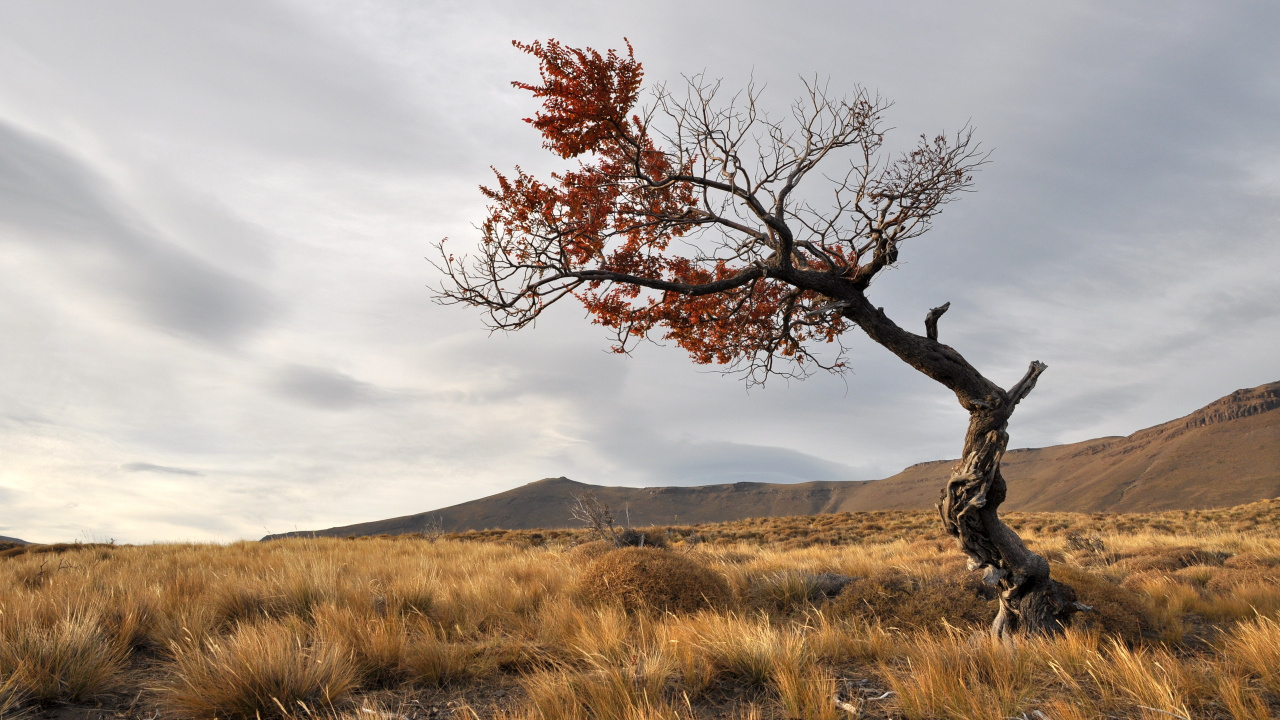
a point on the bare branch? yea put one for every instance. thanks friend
(931, 321)
(1025, 385)
(589, 510)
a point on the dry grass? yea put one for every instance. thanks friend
(1188, 625)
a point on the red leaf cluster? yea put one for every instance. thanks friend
(617, 214)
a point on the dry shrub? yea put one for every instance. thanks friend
(1117, 610)
(1229, 579)
(898, 599)
(73, 659)
(794, 590)
(1078, 542)
(1252, 560)
(631, 537)
(55, 549)
(1169, 559)
(588, 551)
(269, 669)
(1197, 576)
(1138, 582)
(646, 578)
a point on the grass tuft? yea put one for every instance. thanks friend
(268, 669)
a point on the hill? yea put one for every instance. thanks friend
(13, 541)
(1226, 453)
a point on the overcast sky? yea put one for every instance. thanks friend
(216, 314)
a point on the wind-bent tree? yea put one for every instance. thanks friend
(692, 221)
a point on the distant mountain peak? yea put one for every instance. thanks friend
(562, 480)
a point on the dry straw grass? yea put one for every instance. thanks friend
(737, 626)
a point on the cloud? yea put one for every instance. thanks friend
(250, 75)
(709, 463)
(58, 207)
(148, 467)
(213, 217)
(325, 389)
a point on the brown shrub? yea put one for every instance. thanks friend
(588, 551)
(642, 538)
(907, 601)
(793, 590)
(646, 578)
(1137, 581)
(1117, 610)
(1168, 559)
(1248, 560)
(1228, 579)
(55, 549)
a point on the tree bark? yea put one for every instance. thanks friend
(1030, 601)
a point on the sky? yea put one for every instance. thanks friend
(217, 314)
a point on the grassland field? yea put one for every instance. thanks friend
(515, 625)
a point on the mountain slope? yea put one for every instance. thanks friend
(545, 503)
(1227, 453)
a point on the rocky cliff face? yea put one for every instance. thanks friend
(1239, 404)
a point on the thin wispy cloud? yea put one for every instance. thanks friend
(149, 467)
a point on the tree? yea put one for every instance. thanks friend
(589, 510)
(692, 221)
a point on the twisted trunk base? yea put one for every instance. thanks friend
(1030, 601)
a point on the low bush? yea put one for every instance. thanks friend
(588, 551)
(898, 599)
(648, 578)
(1117, 611)
(641, 538)
(1169, 559)
(793, 590)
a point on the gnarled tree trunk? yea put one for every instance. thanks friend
(1030, 601)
